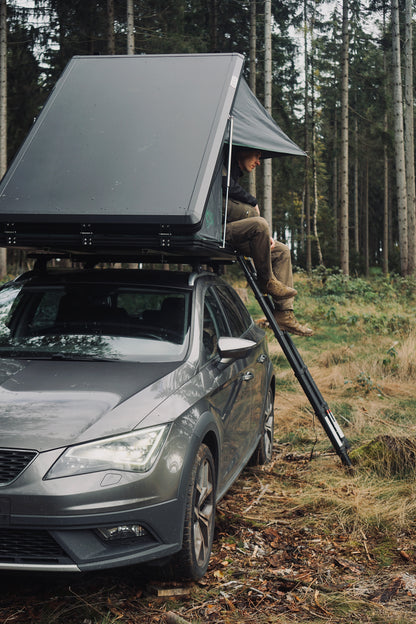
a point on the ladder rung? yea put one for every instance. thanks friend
(302, 373)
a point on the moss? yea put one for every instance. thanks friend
(388, 456)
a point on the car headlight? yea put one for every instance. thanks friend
(135, 452)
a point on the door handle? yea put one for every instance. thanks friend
(247, 376)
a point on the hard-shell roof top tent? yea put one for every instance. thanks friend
(127, 157)
(127, 153)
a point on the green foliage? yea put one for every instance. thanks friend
(388, 456)
(279, 361)
(363, 384)
(401, 412)
(301, 437)
(390, 360)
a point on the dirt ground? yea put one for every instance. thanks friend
(272, 562)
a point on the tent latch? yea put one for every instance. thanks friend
(86, 235)
(11, 234)
(165, 236)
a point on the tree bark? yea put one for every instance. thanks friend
(252, 79)
(399, 140)
(130, 27)
(213, 25)
(386, 206)
(386, 211)
(313, 142)
(409, 137)
(335, 183)
(110, 20)
(306, 195)
(344, 235)
(365, 225)
(356, 175)
(267, 168)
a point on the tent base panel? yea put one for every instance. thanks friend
(111, 240)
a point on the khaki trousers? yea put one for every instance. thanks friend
(251, 237)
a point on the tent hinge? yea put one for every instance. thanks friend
(165, 236)
(10, 233)
(86, 235)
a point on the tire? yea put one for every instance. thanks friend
(192, 561)
(263, 453)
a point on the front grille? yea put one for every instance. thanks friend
(13, 462)
(24, 546)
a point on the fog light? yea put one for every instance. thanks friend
(124, 531)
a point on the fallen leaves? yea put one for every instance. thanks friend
(272, 562)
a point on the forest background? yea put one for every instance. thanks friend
(342, 89)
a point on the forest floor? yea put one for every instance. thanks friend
(301, 539)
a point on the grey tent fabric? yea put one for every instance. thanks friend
(254, 127)
(130, 147)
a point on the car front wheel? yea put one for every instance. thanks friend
(264, 449)
(192, 561)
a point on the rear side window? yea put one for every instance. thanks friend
(214, 326)
(237, 315)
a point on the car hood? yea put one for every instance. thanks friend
(48, 404)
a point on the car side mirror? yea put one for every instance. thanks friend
(234, 348)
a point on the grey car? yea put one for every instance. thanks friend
(130, 401)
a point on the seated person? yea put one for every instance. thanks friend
(249, 233)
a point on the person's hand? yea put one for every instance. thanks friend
(272, 243)
(257, 209)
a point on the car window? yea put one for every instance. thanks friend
(93, 319)
(237, 315)
(214, 326)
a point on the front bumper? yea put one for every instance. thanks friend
(79, 547)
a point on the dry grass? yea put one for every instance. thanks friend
(367, 378)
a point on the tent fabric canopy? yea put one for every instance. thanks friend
(254, 127)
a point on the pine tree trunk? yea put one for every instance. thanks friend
(213, 25)
(267, 202)
(386, 211)
(306, 195)
(399, 140)
(252, 79)
(110, 20)
(356, 211)
(386, 205)
(344, 237)
(365, 226)
(130, 27)
(335, 185)
(313, 143)
(409, 137)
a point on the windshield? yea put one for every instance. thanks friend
(94, 321)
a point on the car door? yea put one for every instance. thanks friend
(230, 393)
(241, 325)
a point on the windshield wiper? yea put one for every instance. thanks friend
(33, 355)
(78, 357)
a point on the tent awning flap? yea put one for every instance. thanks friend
(254, 127)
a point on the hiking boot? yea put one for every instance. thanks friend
(277, 290)
(287, 322)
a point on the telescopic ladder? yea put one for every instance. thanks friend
(320, 407)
